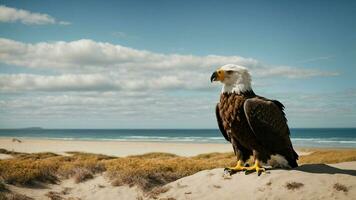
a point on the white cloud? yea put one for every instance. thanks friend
(64, 23)
(100, 56)
(157, 109)
(86, 65)
(97, 82)
(10, 15)
(120, 86)
(66, 82)
(119, 109)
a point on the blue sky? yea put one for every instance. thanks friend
(140, 64)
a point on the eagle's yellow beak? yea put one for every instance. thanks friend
(217, 76)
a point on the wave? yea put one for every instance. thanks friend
(321, 140)
(302, 142)
(135, 138)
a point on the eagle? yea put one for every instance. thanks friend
(254, 125)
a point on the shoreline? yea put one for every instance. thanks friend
(110, 140)
(332, 142)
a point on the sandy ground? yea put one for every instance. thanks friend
(5, 156)
(113, 148)
(317, 181)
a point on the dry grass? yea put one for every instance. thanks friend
(66, 190)
(217, 186)
(81, 175)
(329, 156)
(54, 195)
(13, 153)
(28, 172)
(14, 196)
(147, 171)
(6, 194)
(30, 169)
(3, 187)
(294, 185)
(157, 191)
(159, 169)
(340, 187)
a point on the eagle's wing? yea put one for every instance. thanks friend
(220, 123)
(268, 122)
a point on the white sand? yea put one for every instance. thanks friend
(318, 180)
(5, 156)
(318, 183)
(114, 148)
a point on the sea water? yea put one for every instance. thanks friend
(301, 137)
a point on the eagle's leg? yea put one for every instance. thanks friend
(239, 155)
(256, 167)
(239, 166)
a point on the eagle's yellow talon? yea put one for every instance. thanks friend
(256, 167)
(239, 166)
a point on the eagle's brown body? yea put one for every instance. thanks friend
(255, 126)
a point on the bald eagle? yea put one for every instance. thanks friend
(254, 125)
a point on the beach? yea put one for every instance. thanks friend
(112, 148)
(197, 169)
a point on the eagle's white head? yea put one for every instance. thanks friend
(235, 78)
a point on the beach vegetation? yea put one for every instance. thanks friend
(328, 156)
(54, 195)
(147, 171)
(294, 185)
(8, 195)
(340, 187)
(155, 192)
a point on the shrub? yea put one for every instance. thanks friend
(294, 185)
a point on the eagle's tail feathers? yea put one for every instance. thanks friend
(293, 161)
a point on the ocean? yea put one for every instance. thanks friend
(301, 137)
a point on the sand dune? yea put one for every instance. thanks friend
(309, 181)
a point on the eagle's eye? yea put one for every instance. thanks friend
(229, 72)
